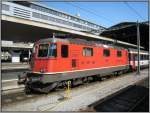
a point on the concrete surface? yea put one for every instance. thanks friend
(12, 74)
(9, 74)
(11, 66)
(12, 70)
(79, 99)
(10, 85)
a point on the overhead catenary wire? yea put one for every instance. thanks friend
(108, 29)
(90, 11)
(100, 16)
(130, 7)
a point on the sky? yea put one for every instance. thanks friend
(105, 14)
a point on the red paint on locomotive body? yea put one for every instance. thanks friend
(77, 61)
(56, 61)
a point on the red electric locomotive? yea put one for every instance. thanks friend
(56, 60)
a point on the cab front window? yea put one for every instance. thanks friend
(52, 50)
(43, 50)
(47, 50)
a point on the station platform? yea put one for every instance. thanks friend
(79, 97)
(12, 66)
(10, 72)
(134, 98)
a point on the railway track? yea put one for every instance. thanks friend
(132, 98)
(79, 96)
(13, 87)
(16, 98)
(9, 96)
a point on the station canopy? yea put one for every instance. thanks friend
(127, 32)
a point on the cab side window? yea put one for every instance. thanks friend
(87, 51)
(106, 52)
(119, 53)
(64, 51)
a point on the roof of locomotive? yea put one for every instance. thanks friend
(52, 40)
(80, 41)
(88, 43)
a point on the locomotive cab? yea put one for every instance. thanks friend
(44, 57)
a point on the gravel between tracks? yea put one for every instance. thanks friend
(80, 98)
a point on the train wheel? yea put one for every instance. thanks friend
(90, 79)
(97, 78)
(49, 87)
(85, 80)
(39, 87)
(76, 82)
